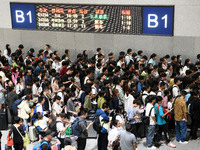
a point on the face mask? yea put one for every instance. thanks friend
(181, 58)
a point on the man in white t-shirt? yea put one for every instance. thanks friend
(61, 128)
(175, 88)
(151, 128)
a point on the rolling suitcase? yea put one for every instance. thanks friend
(3, 119)
(92, 134)
(33, 134)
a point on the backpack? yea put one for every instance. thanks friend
(97, 124)
(75, 126)
(168, 116)
(34, 113)
(15, 104)
(54, 127)
(38, 146)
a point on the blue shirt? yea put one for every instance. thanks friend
(105, 119)
(27, 79)
(37, 71)
(140, 86)
(187, 96)
(159, 113)
(153, 62)
(131, 114)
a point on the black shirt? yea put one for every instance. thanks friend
(18, 53)
(16, 136)
(66, 77)
(195, 108)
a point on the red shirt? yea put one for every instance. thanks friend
(62, 72)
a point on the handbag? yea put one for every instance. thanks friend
(9, 141)
(146, 119)
(68, 131)
(26, 140)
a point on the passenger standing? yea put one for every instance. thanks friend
(150, 111)
(103, 135)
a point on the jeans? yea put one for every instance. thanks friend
(150, 135)
(181, 130)
(103, 141)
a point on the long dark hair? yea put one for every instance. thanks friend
(8, 49)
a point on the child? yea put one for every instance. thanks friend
(41, 126)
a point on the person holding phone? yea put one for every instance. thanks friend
(83, 128)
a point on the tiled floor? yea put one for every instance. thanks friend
(92, 144)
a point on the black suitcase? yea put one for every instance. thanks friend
(3, 119)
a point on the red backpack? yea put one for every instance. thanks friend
(168, 116)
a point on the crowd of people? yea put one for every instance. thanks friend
(128, 98)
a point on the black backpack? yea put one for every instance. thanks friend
(97, 123)
(53, 127)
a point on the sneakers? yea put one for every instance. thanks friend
(170, 144)
(185, 142)
(161, 142)
(152, 147)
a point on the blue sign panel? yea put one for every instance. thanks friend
(158, 20)
(23, 16)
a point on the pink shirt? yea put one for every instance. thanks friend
(164, 102)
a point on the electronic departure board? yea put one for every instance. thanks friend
(117, 19)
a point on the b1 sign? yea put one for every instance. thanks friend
(158, 20)
(23, 16)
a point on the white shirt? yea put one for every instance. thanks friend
(60, 127)
(59, 93)
(175, 90)
(129, 101)
(119, 63)
(127, 59)
(94, 90)
(19, 88)
(148, 108)
(56, 66)
(56, 108)
(5, 53)
(160, 93)
(113, 134)
(152, 93)
(34, 90)
(144, 96)
(86, 78)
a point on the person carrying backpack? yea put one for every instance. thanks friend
(103, 133)
(82, 129)
(45, 143)
(61, 128)
(162, 125)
